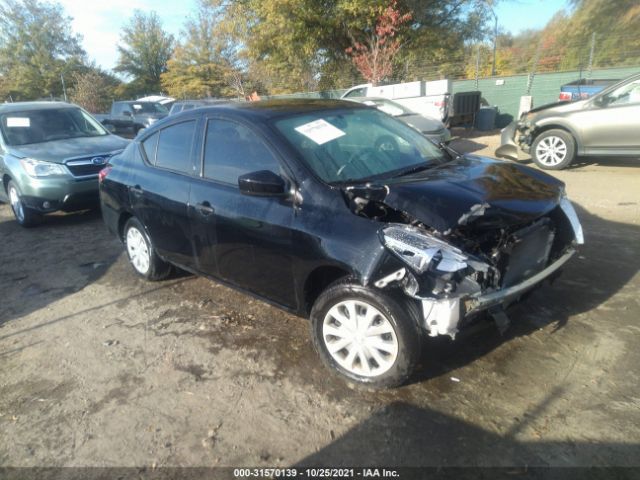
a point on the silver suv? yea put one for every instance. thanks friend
(607, 124)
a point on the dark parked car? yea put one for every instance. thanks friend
(128, 118)
(293, 202)
(184, 105)
(607, 124)
(50, 156)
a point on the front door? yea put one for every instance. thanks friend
(612, 124)
(249, 238)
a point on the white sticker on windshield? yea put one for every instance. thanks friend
(18, 122)
(137, 107)
(320, 131)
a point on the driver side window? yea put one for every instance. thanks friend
(624, 95)
(231, 150)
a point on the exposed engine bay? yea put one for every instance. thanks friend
(480, 262)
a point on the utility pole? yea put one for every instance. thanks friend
(495, 41)
(593, 47)
(477, 66)
(64, 89)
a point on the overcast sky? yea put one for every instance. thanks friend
(100, 21)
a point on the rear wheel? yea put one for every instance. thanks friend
(369, 337)
(25, 216)
(141, 253)
(553, 150)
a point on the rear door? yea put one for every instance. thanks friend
(159, 193)
(612, 124)
(244, 240)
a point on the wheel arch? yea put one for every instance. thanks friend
(555, 125)
(122, 221)
(318, 280)
(5, 182)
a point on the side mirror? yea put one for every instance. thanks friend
(599, 102)
(263, 183)
(128, 113)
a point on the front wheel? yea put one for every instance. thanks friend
(369, 337)
(553, 150)
(25, 216)
(141, 254)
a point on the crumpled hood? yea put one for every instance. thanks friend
(475, 190)
(560, 107)
(57, 151)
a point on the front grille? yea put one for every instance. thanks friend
(84, 167)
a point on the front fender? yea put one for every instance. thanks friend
(560, 123)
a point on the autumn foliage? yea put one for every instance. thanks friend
(373, 56)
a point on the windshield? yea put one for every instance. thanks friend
(357, 145)
(148, 107)
(37, 126)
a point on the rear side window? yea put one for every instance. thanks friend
(149, 146)
(232, 150)
(174, 147)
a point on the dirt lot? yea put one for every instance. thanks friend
(99, 368)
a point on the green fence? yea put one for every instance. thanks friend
(545, 89)
(505, 92)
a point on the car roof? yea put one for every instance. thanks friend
(26, 106)
(267, 109)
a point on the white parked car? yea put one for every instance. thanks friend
(430, 127)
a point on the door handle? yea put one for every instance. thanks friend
(204, 208)
(137, 191)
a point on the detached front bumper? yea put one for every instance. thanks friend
(508, 147)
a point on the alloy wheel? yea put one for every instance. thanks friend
(360, 338)
(138, 250)
(551, 151)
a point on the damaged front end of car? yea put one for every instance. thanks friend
(474, 265)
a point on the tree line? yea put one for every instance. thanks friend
(229, 48)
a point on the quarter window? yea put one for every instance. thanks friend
(231, 150)
(174, 147)
(149, 146)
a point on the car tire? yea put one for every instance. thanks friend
(380, 352)
(141, 253)
(554, 149)
(24, 215)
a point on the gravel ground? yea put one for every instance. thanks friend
(99, 368)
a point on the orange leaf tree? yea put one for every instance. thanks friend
(373, 55)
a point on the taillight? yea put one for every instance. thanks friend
(102, 174)
(565, 96)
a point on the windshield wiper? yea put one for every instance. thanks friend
(454, 154)
(416, 168)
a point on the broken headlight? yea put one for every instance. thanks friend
(419, 250)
